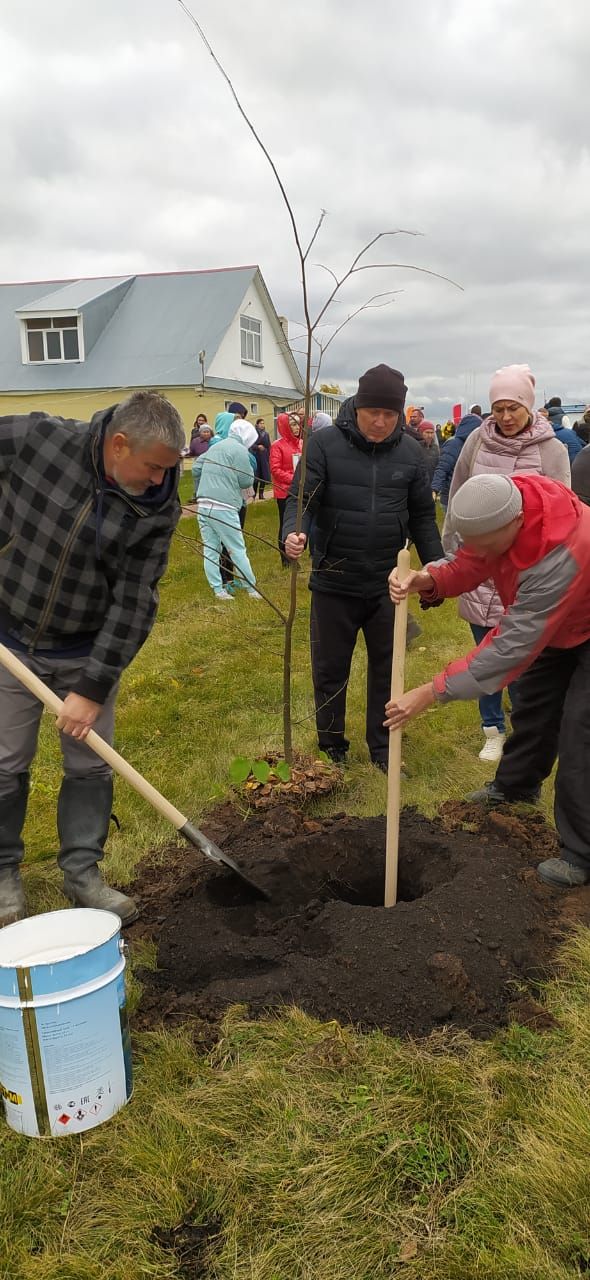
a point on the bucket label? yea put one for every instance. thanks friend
(65, 1067)
(10, 1095)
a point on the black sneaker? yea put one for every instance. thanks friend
(336, 754)
(491, 794)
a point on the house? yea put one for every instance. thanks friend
(204, 338)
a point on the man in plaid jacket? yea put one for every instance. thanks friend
(87, 511)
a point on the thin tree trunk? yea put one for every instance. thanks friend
(288, 648)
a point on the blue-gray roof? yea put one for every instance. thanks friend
(144, 330)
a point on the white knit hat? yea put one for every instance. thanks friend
(484, 504)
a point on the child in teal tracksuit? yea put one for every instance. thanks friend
(222, 477)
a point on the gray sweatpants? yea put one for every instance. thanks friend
(20, 715)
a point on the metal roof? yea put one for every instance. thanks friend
(152, 338)
(73, 296)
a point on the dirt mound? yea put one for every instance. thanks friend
(471, 924)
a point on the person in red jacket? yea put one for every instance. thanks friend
(284, 457)
(531, 537)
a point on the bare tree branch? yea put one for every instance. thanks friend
(315, 234)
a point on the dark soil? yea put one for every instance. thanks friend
(190, 1242)
(472, 930)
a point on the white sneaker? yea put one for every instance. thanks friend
(254, 595)
(223, 595)
(493, 745)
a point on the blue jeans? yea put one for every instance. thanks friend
(221, 528)
(490, 706)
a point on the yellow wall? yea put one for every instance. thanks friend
(82, 404)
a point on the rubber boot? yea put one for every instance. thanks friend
(83, 817)
(13, 808)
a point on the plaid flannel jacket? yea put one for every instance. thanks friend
(79, 559)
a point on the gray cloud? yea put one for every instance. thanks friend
(122, 150)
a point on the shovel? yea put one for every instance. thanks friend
(395, 737)
(185, 828)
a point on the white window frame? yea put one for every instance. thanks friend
(250, 327)
(50, 315)
(253, 406)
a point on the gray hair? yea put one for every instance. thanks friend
(145, 418)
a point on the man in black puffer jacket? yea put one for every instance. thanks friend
(366, 491)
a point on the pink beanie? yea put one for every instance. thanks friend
(514, 382)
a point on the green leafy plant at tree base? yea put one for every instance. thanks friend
(242, 769)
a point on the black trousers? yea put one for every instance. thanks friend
(334, 627)
(281, 504)
(551, 719)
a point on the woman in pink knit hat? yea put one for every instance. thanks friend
(514, 439)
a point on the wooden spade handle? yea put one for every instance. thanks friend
(111, 757)
(395, 738)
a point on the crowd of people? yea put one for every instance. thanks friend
(88, 511)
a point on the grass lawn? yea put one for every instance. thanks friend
(310, 1151)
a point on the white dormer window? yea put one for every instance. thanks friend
(51, 339)
(251, 340)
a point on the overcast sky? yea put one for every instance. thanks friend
(465, 120)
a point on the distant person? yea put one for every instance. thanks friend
(582, 428)
(581, 475)
(239, 410)
(449, 453)
(430, 449)
(447, 430)
(554, 404)
(200, 421)
(476, 408)
(413, 420)
(200, 441)
(260, 451)
(366, 490)
(223, 423)
(562, 427)
(320, 421)
(514, 440)
(285, 454)
(223, 476)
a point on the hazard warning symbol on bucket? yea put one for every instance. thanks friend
(63, 1118)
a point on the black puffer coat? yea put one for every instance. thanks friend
(364, 501)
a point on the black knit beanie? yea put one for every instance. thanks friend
(381, 388)
(236, 407)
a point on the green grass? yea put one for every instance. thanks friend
(325, 1155)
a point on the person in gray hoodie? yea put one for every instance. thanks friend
(222, 476)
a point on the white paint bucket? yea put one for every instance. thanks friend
(65, 1054)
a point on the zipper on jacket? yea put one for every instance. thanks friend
(86, 509)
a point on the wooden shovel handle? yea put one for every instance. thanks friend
(395, 738)
(107, 753)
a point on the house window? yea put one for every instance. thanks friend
(52, 339)
(253, 406)
(251, 340)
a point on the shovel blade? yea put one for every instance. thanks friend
(212, 851)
